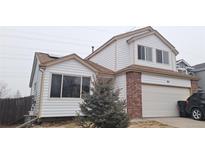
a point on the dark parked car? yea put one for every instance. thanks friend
(194, 106)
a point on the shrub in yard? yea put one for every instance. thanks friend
(103, 108)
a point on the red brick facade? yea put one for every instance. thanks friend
(194, 86)
(134, 94)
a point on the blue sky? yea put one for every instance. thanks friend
(18, 44)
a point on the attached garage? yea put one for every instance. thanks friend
(161, 101)
(153, 92)
(161, 93)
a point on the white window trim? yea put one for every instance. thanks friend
(81, 86)
(145, 53)
(61, 86)
(162, 57)
(65, 98)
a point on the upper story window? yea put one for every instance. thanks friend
(69, 86)
(162, 57)
(144, 53)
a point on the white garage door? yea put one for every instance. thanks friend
(160, 101)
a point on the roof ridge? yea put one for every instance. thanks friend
(98, 65)
(46, 60)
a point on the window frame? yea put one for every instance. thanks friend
(163, 51)
(64, 74)
(145, 53)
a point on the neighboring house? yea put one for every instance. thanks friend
(199, 71)
(184, 67)
(141, 62)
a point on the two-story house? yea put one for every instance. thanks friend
(142, 64)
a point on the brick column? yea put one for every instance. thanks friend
(134, 95)
(194, 86)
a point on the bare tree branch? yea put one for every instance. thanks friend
(3, 90)
(18, 94)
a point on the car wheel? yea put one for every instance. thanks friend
(197, 114)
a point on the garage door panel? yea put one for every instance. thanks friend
(161, 101)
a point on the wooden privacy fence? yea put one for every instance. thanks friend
(13, 110)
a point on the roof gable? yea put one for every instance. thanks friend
(66, 58)
(183, 61)
(33, 70)
(46, 60)
(120, 36)
(143, 32)
(158, 35)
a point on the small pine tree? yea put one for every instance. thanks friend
(102, 107)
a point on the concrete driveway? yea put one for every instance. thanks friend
(180, 122)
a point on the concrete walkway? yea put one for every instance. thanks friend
(178, 122)
(181, 122)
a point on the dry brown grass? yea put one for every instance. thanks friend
(9, 126)
(74, 124)
(148, 124)
(62, 124)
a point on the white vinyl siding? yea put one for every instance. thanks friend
(106, 57)
(62, 107)
(201, 82)
(161, 101)
(120, 83)
(164, 80)
(35, 88)
(122, 54)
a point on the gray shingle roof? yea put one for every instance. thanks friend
(199, 66)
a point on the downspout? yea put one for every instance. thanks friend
(115, 55)
(41, 91)
(134, 50)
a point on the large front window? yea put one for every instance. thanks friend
(66, 86)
